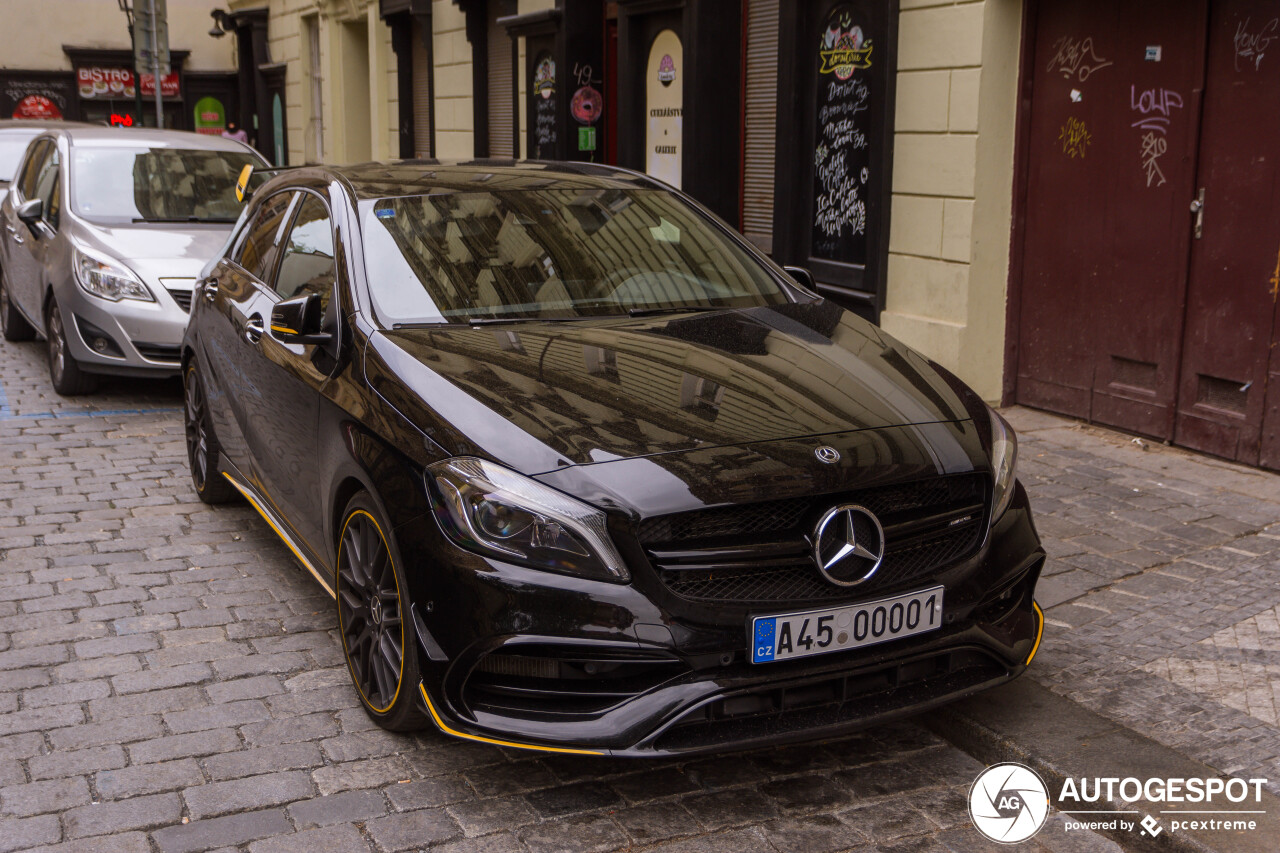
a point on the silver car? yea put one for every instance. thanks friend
(105, 233)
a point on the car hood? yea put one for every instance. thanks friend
(158, 251)
(540, 396)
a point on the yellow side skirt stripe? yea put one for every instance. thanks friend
(284, 537)
(1039, 631)
(444, 728)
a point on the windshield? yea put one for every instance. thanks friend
(552, 254)
(12, 144)
(156, 184)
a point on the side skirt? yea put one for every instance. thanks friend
(278, 526)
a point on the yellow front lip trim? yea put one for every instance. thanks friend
(283, 538)
(444, 728)
(1039, 632)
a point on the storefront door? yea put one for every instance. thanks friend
(1128, 314)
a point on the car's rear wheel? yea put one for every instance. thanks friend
(202, 444)
(373, 616)
(64, 371)
(13, 324)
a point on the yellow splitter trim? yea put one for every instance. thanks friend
(1039, 632)
(306, 564)
(444, 728)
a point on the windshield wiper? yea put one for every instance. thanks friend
(648, 312)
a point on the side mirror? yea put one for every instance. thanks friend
(803, 277)
(30, 212)
(299, 321)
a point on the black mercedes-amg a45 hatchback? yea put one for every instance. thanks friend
(585, 472)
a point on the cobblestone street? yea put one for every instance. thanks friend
(171, 680)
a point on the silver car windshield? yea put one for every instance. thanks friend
(551, 254)
(113, 184)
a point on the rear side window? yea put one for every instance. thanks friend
(258, 252)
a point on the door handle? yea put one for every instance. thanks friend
(253, 329)
(1197, 207)
(210, 289)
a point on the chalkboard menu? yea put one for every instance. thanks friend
(842, 165)
(542, 114)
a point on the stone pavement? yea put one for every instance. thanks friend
(170, 680)
(1162, 590)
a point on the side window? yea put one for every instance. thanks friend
(46, 187)
(307, 265)
(31, 168)
(258, 252)
(53, 203)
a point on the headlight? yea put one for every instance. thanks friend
(492, 510)
(109, 279)
(1004, 459)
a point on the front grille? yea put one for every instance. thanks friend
(158, 352)
(770, 712)
(563, 681)
(762, 552)
(182, 297)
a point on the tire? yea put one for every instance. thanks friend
(64, 371)
(13, 324)
(377, 640)
(202, 445)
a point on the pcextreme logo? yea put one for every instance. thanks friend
(1008, 803)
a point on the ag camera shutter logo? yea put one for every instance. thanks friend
(1008, 803)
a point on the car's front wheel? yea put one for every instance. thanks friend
(373, 616)
(64, 371)
(202, 444)
(13, 324)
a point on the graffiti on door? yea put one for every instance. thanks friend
(1076, 58)
(1075, 138)
(1251, 44)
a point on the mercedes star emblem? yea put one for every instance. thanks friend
(848, 545)
(827, 454)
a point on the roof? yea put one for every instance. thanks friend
(421, 177)
(36, 125)
(135, 136)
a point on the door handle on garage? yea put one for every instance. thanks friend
(253, 329)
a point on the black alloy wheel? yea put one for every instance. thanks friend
(14, 326)
(64, 371)
(202, 446)
(372, 618)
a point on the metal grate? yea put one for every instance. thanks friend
(182, 297)
(158, 352)
(761, 552)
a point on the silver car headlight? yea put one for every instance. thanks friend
(1004, 461)
(108, 279)
(492, 510)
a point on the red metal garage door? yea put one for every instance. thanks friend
(1130, 316)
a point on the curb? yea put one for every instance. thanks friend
(1056, 737)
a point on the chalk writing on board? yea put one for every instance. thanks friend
(842, 174)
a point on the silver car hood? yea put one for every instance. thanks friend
(157, 251)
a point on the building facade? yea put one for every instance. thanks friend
(1069, 203)
(79, 66)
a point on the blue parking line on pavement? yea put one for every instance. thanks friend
(7, 413)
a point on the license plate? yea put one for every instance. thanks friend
(817, 632)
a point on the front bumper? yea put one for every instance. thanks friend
(137, 338)
(693, 688)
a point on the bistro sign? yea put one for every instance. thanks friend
(113, 83)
